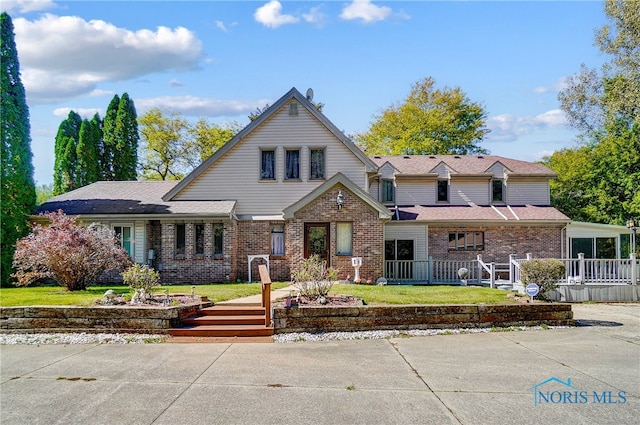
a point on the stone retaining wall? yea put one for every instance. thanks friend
(35, 319)
(344, 319)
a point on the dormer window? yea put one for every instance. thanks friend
(443, 191)
(387, 191)
(497, 191)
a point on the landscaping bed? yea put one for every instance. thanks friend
(314, 319)
(124, 318)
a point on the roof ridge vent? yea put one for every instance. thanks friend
(456, 156)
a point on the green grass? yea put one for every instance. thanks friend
(54, 295)
(392, 294)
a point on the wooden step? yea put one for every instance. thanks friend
(222, 331)
(248, 319)
(232, 310)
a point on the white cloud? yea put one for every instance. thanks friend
(85, 113)
(507, 128)
(26, 6)
(556, 87)
(365, 11)
(200, 107)
(270, 15)
(66, 56)
(220, 25)
(315, 16)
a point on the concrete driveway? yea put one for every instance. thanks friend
(588, 374)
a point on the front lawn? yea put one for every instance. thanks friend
(423, 294)
(56, 295)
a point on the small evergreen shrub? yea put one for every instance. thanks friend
(545, 272)
(141, 278)
(313, 279)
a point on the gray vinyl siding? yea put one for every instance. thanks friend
(416, 232)
(416, 193)
(532, 193)
(139, 238)
(236, 175)
(374, 190)
(442, 170)
(462, 193)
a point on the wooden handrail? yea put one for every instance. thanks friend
(265, 279)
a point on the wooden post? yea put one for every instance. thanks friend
(265, 279)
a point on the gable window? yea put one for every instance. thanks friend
(292, 166)
(181, 239)
(316, 166)
(277, 239)
(123, 235)
(466, 241)
(293, 109)
(344, 238)
(268, 165)
(497, 190)
(218, 240)
(387, 191)
(443, 191)
(198, 234)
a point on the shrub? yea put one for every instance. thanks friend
(545, 272)
(141, 278)
(71, 255)
(312, 278)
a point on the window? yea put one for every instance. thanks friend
(180, 239)
(218, 240)
(387, 191)
(466, 241)
(316, 166)
(344, 237)
(277, 239)
(199, 239)
(268, 165)
(123, 235)
(443, 191)
(497, 190)
(399, 255)
(292, 169)
(594, 248)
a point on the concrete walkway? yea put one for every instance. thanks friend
(447, 379)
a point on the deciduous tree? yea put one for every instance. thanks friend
(17, 184)
(429, 121)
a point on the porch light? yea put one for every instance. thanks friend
(340, 199)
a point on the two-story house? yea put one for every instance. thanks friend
(291, 184)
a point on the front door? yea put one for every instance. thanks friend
(316, 240)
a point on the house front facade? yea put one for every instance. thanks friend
(291, 185)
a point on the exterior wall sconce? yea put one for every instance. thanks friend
(340, 199)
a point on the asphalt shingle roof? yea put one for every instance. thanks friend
(479, 213)
(131, 197)
(462, 164)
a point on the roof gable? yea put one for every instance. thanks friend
(338, 178)
(260, 120)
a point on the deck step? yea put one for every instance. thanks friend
(233, 310)
(222, 331)
(248, 319)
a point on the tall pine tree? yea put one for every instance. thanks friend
(88, 152)
(125, 156)
(109, 138)
(17, 184)
(66, 161)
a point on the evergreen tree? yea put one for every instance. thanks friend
(65, 165)
(109, 138)
(88, 152)
(17, 184)
(125, 156)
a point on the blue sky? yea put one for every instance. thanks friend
(221, 60)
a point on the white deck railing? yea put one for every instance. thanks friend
(578, 271)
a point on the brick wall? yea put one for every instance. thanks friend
(368, 232)
(254, 238)
(499, 242)
(192, 268)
